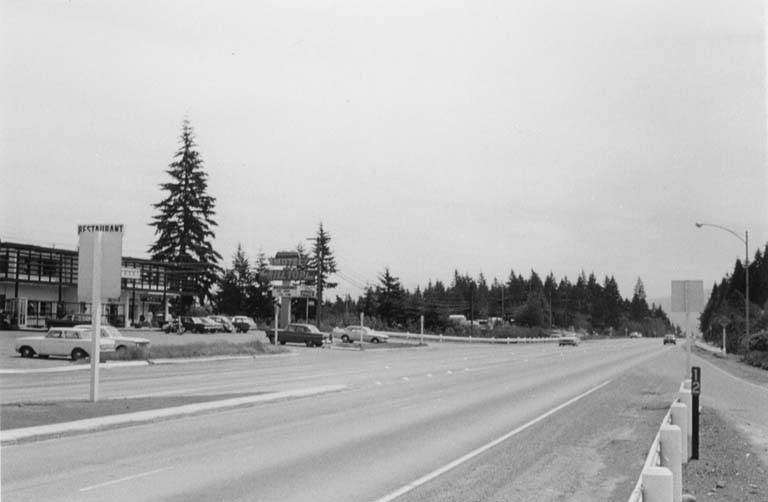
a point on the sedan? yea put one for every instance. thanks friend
(197, 325)
(122, 342)
(356, 333)
(569, 340)
(64, 342)
(225, 325)
(670, 339)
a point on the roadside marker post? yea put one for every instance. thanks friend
(695, 391)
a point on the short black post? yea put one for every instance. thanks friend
(695, 391)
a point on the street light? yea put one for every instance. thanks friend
(745, 240)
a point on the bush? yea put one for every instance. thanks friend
(759, 341)
(198, 349)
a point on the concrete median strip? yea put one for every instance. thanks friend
(89, 424)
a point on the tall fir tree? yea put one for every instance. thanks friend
(184, 224)
(389, 296)
(322, 263)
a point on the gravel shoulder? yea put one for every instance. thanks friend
(733, 462)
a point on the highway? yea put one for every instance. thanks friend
(447, 422)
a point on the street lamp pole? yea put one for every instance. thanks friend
(745, 240)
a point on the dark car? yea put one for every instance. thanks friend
(670, 339)
(198, 325)
(307, 334)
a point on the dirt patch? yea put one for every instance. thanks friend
(728, 468)
(18, 415)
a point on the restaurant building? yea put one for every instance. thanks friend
(39, 283)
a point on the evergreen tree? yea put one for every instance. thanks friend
(322, 264)
(389, 298)
(234, 286)
(184, 224)
(638, 308)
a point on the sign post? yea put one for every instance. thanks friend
(96, 318)
(695, 391)
(100, 256)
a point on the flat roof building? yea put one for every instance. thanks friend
(39, 283)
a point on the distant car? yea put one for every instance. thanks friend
(122, 342)
(225, 325)
(354, 333)
(242, 323)
(569, 340)
(670, 339)
(635, 334)
(63, 342)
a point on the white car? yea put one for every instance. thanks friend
(64, 342)
(354, 334)
(122, 342)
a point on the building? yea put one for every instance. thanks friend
(39, 283)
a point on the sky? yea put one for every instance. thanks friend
(427, 136)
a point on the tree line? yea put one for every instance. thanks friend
(726, 303)
(184, 229)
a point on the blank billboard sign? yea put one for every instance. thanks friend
(687, 296)
(111, 261)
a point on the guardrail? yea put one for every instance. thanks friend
(661, 476)
(469, 339)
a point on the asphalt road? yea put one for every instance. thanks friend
(535, 422)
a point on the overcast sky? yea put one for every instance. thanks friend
(427, 136)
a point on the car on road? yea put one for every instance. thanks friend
(62, 342)
(122, 343)
(307, 334)
(243, 323)
(569, 340)
(670, 339)
(223, 323)
(356, 333)
(635, 334)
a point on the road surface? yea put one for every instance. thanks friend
(452, 422)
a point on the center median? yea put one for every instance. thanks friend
(103, 419)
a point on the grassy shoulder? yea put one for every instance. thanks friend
(195, 349)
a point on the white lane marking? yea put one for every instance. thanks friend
(765, 389)
(429, 375)
(449, 372)
(442, 470)
(127, 478)
(406, 379)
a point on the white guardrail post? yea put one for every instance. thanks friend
(686, 398)
(671, 439)
(680, 418)
(657, 484)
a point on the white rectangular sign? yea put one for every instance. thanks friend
(111, 261)
(130, 273)
(687, 296)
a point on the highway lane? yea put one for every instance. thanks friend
(406, 413)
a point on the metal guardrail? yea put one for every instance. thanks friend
(653, 459)
(469, 339)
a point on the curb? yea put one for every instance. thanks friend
(90, 424)
(128, 364)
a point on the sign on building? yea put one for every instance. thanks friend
(130, 273)
(286, 274)
(687, 296)
(111, 253)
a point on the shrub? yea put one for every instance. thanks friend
(759, 341)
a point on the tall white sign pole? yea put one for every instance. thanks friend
(96, 316)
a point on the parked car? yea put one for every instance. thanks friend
(225, 325)
(307, 334)
(354, 334)
(635, 334)
(63, 342)
(174, 326)
(198, 325)
(122, 342)
(569, 340)
(71, 320)
(243, 323)
(670, 339)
